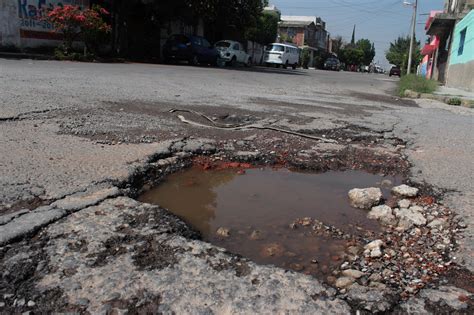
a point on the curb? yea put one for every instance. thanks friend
(9, 55)
(465, 102)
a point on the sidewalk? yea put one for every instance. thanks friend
(453, 92)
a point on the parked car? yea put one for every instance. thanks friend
(282, 55)
(395, 70)
(193, 49)
(232, 52)
(332, 64)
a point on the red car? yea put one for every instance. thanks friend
(395, 71)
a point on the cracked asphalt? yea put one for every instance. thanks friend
(72, 135)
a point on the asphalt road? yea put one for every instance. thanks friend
(58, 119)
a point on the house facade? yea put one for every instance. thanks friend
(449, 55)
(306, 32)
(461, 60)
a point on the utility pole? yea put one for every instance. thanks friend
(412, 40)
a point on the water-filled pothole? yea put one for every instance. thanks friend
(259, 207)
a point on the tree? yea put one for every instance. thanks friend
(337, 45)
(73, 22)
(398, 52)
(240, 16)
(368, 49)
(266, 29)
(351, 55)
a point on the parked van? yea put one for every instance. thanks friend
(282, 54)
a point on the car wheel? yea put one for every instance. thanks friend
(294, 66)
(285, 66)
(249, 62)
(194, 61)
(233, 62)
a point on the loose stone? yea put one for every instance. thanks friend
(404, 203)
(365, 198)
(382, 213)
(223, 232)
(344, 282)
(352, 273)
(405, 191)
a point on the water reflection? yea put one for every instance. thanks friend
(267, 201)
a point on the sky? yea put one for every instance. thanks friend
(380, 21)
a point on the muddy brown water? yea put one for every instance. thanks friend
(268, 201)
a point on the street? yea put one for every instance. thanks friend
(79, 140)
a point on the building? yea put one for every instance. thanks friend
(449, 56)
(21, 23)
(306, 32)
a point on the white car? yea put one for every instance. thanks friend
(282, 55)
(232, 52)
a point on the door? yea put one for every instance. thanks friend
(208, 50)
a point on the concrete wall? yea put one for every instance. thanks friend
(9, 23)
(461, 66)
(21, 23)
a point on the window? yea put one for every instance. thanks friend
(236, 47)
(205, 43)
(462, 39)
(196, 41)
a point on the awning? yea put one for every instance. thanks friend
(441, 24)
(428, 49)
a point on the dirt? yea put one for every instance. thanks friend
(381, 98)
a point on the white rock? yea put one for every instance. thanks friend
(409, 217)
(352, 273)
(404, 203)
(344, 282)
(437, 223)
(417, 208)
(383, 213)
(374, 248)
(374, 244)
(376, 253)
(405, 191)
(223, 232)
(365, 198)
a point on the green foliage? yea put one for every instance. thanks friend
(62, 53)
(240, 14)
(455, 101)
(305, 58)
(368, 49)
(266, 29)
(416, 83)
(398, 52)
(351, 55)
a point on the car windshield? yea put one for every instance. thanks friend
(276, 48)
(179, 39)
(331, 61)
(223, 44)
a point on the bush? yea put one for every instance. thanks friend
(455, 101)
(305, 58)
(416, 83)
(74, 23)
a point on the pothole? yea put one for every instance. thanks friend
(296, 220)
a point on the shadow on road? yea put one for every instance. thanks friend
(261, 69)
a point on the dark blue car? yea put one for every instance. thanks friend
(193, 49)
